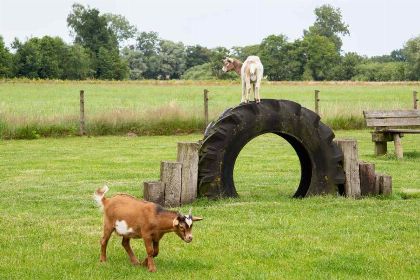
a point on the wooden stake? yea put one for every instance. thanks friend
(82, 113)
(154, 192)
(206, 108)
(398, 146)
(351, 167)
(415, 99)
(384, 184)
(367, 179)
(188, 156)
(317, 101)
(170, 174)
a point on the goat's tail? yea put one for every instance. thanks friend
(253, 71)
(99, 195)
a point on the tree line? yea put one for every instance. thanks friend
(106, 46)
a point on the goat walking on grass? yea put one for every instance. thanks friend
(251, 72)
(130, 218)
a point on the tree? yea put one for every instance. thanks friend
(148, 43)
(101, 34)
(321, 55)
(173, 59)
(412, 53)
(27, 60)
(135, 62)
(274, 57)
(347, 68)
(76, 63)
(243, 52)
(6, 62)
(329, 23)
(196, 55)
(216, 63)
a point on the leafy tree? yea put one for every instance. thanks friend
(347, 68)
(329, 23)
(199, 72)
(135, 62)
(100, 34)
(376, 71)
(51, 57)
(76, 63)
(412, 53)
(243, 52)
(27, 60)
(148, 43)
(274, 57)
(173, 59)
(196, 55)
(6, 62)
(321, 57)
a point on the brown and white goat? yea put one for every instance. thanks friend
(130, 218)
(251, 72)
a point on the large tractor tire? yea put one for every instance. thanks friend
(320, 158)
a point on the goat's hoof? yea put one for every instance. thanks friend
(102, 260)
(135, 262)
(152, 269)
(258, 101)
(145, 263)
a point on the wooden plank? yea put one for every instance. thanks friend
(170, 174)
(408, 131)
(188, 156)
(391, 114)
(351, 167)
(393, 122)
(155, 192)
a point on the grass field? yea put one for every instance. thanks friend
(51, 227)
(29, 109)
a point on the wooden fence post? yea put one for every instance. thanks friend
(415, 99)
(154, 192)
(384, 184)
(367, 179)
(82, 113)
(188, 156)
(206, 108)
(351, 167)
(170, 175)
(317, 101)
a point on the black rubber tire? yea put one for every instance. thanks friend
(320, 158)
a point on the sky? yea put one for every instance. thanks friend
(376, 26)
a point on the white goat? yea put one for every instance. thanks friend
(251, 72)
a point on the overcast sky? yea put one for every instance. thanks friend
(376, 27)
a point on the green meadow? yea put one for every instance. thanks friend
(33, 109)
(51, 227)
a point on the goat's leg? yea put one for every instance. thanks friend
(243, 92)
(257, 91)
(126, 244)
(253, 89)
(248, 91)
(155, 248)
(149, 262)
(104, 241)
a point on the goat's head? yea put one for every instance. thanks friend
(183, 226)
(228, 64)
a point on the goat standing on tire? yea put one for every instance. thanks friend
(251, 72)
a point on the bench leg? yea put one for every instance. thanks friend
(398, 146)
(380, 148)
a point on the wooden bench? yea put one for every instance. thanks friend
(391, 126)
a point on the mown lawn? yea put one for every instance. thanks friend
(51, 227)
(29, 109)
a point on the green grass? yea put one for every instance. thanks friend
(51, 227)
(32, 109)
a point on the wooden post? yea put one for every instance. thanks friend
(170, 174)
(82, 113)
(206, 108)
(384, 184)
(188, 156)
(367, 179)
(317, 101)
(398, 146)
(415, 99)
(154, 192)
(351, 167)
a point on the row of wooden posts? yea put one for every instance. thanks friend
(82, 130)
(178, 180)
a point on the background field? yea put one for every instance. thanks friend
(51, 228)
(29, 109)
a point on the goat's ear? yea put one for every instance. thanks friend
(196, 219)
(175, 222)
(230, 60)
